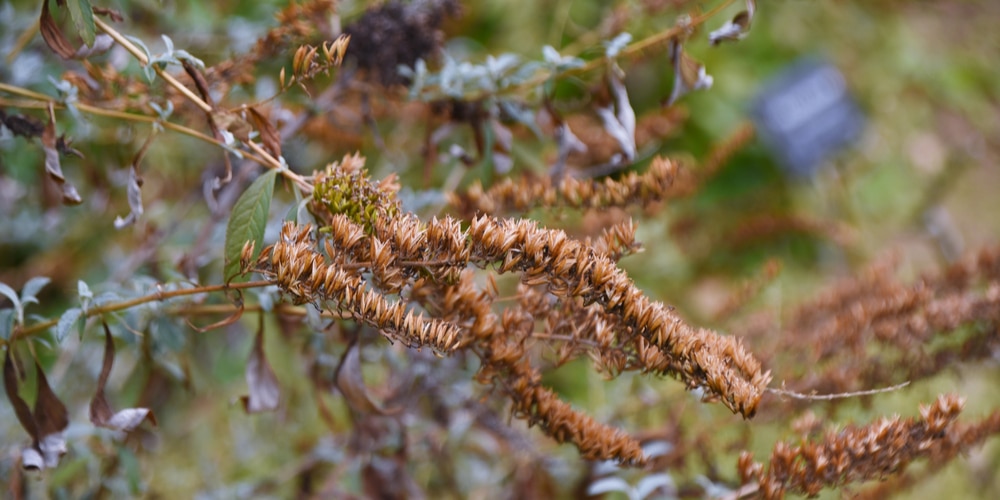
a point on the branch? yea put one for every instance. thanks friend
(119, 306)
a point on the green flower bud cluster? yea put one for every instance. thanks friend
(354, 195)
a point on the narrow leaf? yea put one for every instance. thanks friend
(66, 321)
(264, 391)
(53, 35)
(247, 223)
(83, 18)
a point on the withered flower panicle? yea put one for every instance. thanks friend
(861, 453)
(371, 249)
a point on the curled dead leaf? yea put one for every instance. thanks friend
(45, 423)
(233, 123)
(265, 394)
(52, 35)
(268, 134)
(689, 74)
(53, 167)
(101, 413)
(736, 28)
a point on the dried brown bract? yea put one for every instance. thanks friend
(861, 453)
(664, 179)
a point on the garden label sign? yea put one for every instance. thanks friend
(806, 114)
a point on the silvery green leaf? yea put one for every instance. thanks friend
(163, 113)
(712, 489)
(184, 55)
(6, 323)
(560, 62)
(613, 47)
(107, 298)
(649, 484)
(625, 113)
(168, 43)
(9, 292)
(524, 71)
(83, 290)
(141, 45)
(500, 65)
(610, 484)
(657, 448)
(66, 321)
(551, 55)
(31, 289)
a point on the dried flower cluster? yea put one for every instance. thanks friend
(372, 250)
(861, 453)
(664, 179)
(921, 328)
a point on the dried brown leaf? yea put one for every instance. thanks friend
(101, 413)
(735, 29)
(52, 35)
(265, 393)
(221, 323)
(199, 81)
(134, 199)
(50, 413)
(111, 14)
(233, 123)
(689, 74)
(52, 164)
(21, 409)
(45, 424)
(268, 134)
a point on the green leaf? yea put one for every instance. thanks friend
(66, 321)
(83, 18)
(247, 223)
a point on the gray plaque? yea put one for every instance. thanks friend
(806, 114)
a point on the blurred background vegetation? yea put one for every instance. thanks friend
(921, 183)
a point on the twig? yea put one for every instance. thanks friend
(630, 51)
(839, 395)
(118, 306)
(267, 159)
